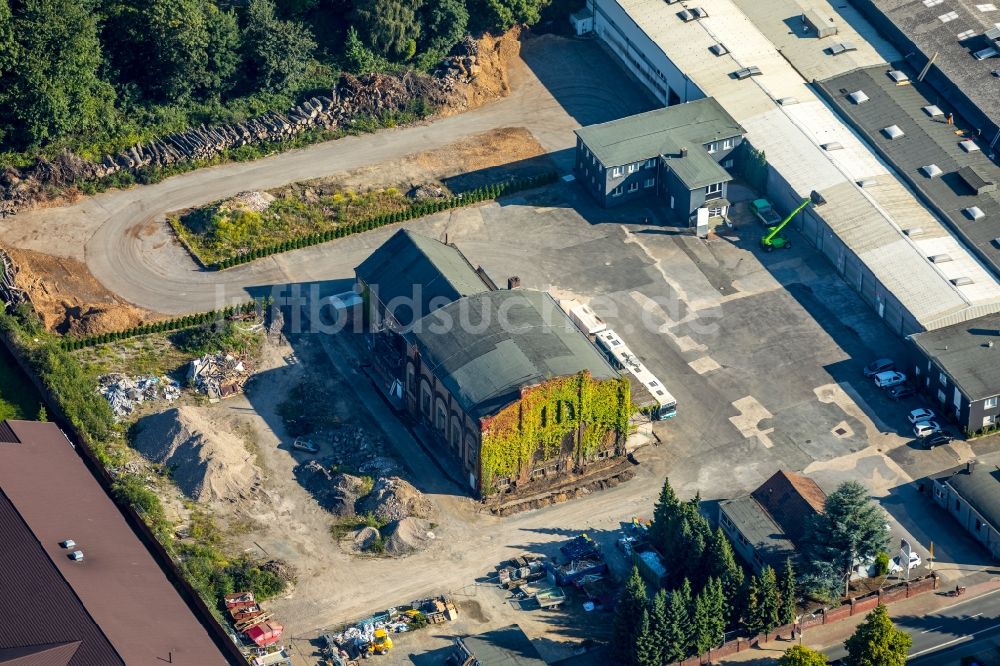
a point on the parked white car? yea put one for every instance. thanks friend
(896, 565)
(866, 569)
(889, 378)
(921, 414)
(926, 428)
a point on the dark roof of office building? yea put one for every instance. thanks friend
(792, 500)
(926, 140)
(697, 169)
(979, 484)
(507, 646)
(759, 528)
(116, 605)
(485, 348)
(921, 23)
(963, 351)
(415, 274)
(660, 132)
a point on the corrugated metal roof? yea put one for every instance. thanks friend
(791, 135)
(485, 348)
(39, 609)
(119, 584)
(659, 132)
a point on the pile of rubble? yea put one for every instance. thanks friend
(123, 393)
(461, 67)
(253, 201)
(219, 375)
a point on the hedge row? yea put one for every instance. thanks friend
(418, 209)
(164, 326)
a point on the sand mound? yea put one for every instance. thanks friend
(365, 537)
(407, 535)
(392, 499)
(207, 463)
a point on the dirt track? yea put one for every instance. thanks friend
(125, 244)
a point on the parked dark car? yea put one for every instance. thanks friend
(900, 391)
(879, 365)
(940, 439)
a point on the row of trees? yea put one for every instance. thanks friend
(100, 72)
(707, 592)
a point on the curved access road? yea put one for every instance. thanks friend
(122, 237)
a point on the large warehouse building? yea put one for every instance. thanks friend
(961, 38)
(743, 54)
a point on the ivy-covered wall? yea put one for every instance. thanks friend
(535, 428)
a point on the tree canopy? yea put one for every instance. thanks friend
(851, 528)
(100, 75)
(801, 655)
(877, 642)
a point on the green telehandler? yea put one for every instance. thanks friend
(773, 240)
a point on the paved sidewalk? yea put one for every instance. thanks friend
(833, 635)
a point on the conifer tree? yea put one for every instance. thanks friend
(788, 594)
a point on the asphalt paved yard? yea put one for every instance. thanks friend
(764, 352)
(741, 339)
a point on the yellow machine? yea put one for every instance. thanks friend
(381, 644)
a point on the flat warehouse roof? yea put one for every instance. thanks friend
(928, 140)
(921, 22)
(869, 220)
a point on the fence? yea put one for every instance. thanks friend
(857, 606)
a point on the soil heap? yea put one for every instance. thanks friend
(209, 464)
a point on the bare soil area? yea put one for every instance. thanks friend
(494, 58)
(70, 299)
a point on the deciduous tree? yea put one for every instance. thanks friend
(801, 655)
(390, 27)
(51, 87)
(279, 51)
(877, 642)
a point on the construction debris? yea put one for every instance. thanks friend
(123, 393)
(10, 293)
(219, 375)
(356, 640)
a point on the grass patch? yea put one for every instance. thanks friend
(218, 337)
(217, 232)
(18, 398)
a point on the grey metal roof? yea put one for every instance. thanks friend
(927, 141)
(507, 646)
(754, 523)
(921, 25)
(486, 347)
(413, 275)
(962, 351)
(697, 169)
(660, 132)
(980, 487)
